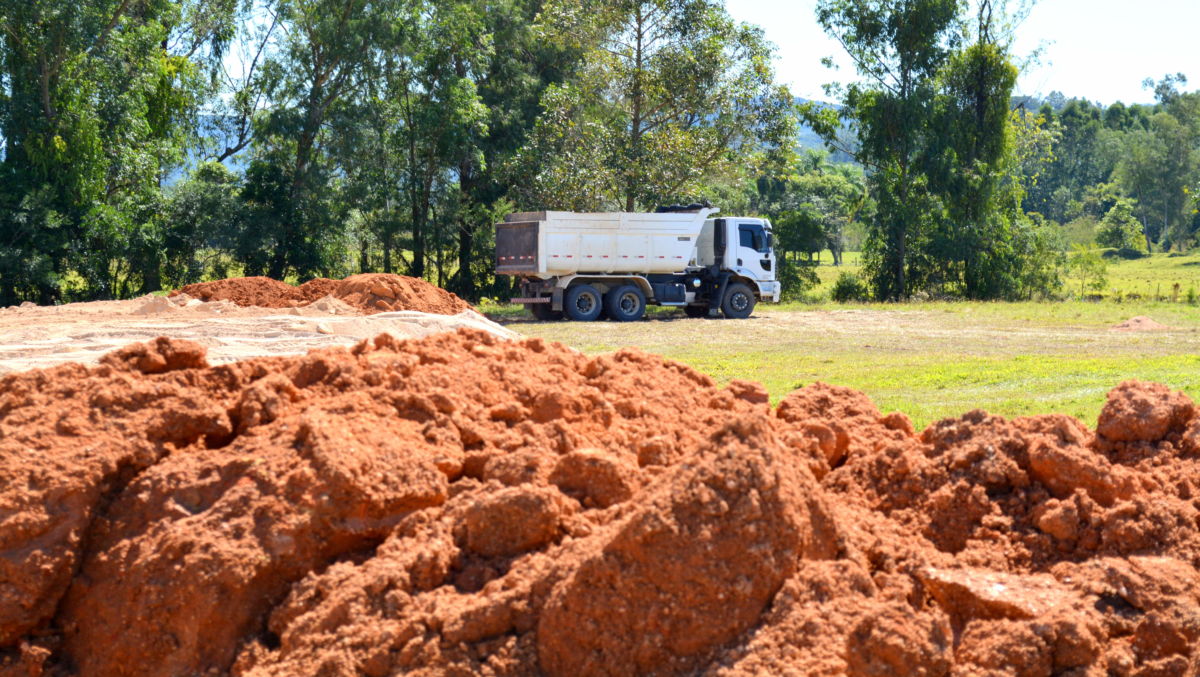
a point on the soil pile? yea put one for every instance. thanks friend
(463, 504)
(369, 293)
(1139, 323)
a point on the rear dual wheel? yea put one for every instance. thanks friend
(625, 303)
(582, 303)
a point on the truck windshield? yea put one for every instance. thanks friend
(753, 236)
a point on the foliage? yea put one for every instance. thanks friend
(1120, 229)
(812, 206)
(948, 162)
(797, 278)
(668, 91)
(154, 143)
(100, 100)
(1088, 267)
(849, 288)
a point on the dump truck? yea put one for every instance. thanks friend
(585, 266)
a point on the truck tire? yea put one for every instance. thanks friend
(696, 311)
(582, 303)
(543, 312)
(738, 302)
(625, 303)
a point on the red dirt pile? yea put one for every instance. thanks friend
(369, 292)
(465, 505)
(1139, 323)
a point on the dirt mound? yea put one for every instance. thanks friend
(369, 293)
(462, 504)
(263, 292)
(379, 292)
(1139, 323)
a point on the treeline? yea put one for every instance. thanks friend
(147, 144)
(1122, 176)
(152, 143)
(977, 195)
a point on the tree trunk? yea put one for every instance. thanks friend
(635, 125)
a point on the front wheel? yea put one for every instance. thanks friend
(738, 302)
(625, 303)
(582, 303)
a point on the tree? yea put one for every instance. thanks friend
(668, 91)
(314, 73)
(1120, 229)
(968, 168)
(898, 47)
(1089, 268)
(811, 207)
(100, 103)
(202, 218)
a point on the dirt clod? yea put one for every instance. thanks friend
(463, 504)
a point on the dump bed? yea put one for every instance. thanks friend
(546, 244)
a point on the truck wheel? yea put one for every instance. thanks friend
(625, 303)
(582, 303)
(739, 301)
(543, 312)
(695, 311)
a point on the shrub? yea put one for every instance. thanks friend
(848, 288)
(1127, 253)
(796, 278)
(1120, 229)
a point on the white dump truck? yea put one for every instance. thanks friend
(589, 265)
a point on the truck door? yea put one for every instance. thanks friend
(754, 253)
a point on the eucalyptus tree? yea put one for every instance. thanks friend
(898, 48)
(668, 92)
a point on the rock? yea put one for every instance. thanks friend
(980, 593)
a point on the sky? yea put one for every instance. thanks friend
(1100, 50)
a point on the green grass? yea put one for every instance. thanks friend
(930, 361)
(1155, 276)
(935, 359)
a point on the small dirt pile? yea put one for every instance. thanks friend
(369, 293)
(1139, 323)
(462, 504)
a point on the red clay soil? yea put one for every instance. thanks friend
(369, 292)
(465, 505)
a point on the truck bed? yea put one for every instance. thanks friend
(551, 243)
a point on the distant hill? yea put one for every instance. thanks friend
(808, 139)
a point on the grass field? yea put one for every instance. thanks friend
(930, 360)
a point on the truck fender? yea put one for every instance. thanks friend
(604, 281)
(745, 277)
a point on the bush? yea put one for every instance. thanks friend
(1127, 253)
(849, 288)
(1120, 229)
(796, 278)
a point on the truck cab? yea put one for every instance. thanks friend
(748, 252)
